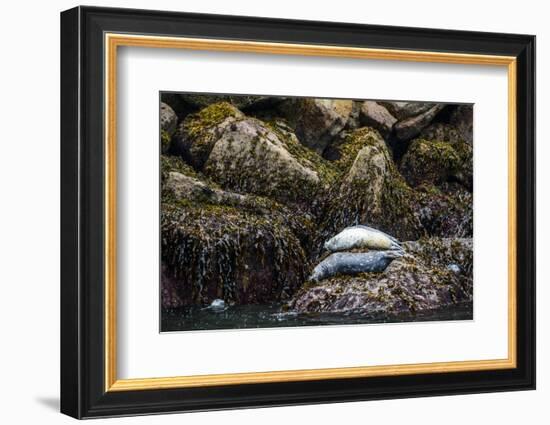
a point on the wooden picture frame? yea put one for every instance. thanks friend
(90, 38)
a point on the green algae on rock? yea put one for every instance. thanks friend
(372, 192)
(251, 157)
(199, 132)
(436, 162)
(445, 211)
(412, 283)
(221, 252)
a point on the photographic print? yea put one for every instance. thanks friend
(296, 211)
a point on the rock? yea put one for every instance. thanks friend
(375, 115)
(343, 151)
(217, 244)
(441, 252)
(462, 118)
(464, 172)
(421, 280)
(252, 157)
(354, 122)
(168, 125)
(372, 192)
(182, 186)
(445, 213)
(222, 252)
(430, 162)
(174, 100)
(404, 110)
(168, 119)
(239, 101)
(316, 122)
(410, 127)
(441, 132)
(198, 132)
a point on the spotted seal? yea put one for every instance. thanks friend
(352, 263)
(361, 237)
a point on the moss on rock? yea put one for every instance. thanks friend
(214, 251)
(429, 161)
(419, 281)
(372, 192)
(253, 157)
(199, 132)
(436, 162)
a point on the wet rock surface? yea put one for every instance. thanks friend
(252, 187)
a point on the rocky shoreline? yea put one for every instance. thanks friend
(253, 186)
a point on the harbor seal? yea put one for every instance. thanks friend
(352, 263)
(361, 237)
(216, 305)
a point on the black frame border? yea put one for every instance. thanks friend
(82, 212)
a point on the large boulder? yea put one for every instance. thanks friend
(213, 251)
(372, 192)
(250, 156)
(377, 116)
(216, 244)
(317, 121)
(436, 162)
(199, 132)
(433, 274)
(410, 127)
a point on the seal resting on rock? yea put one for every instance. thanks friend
(216, 305)
(361, 237)
(351, 263)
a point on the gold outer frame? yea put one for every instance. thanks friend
(113, 41)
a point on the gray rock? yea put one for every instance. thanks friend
(463, 119)
(377, 116)
(198, 133)
(317, 121)
(250, 157)
(404, 110)
(410, 127)
(168, 119)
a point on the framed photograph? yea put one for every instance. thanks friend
(261, 212)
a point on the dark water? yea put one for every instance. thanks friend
(271, 316)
